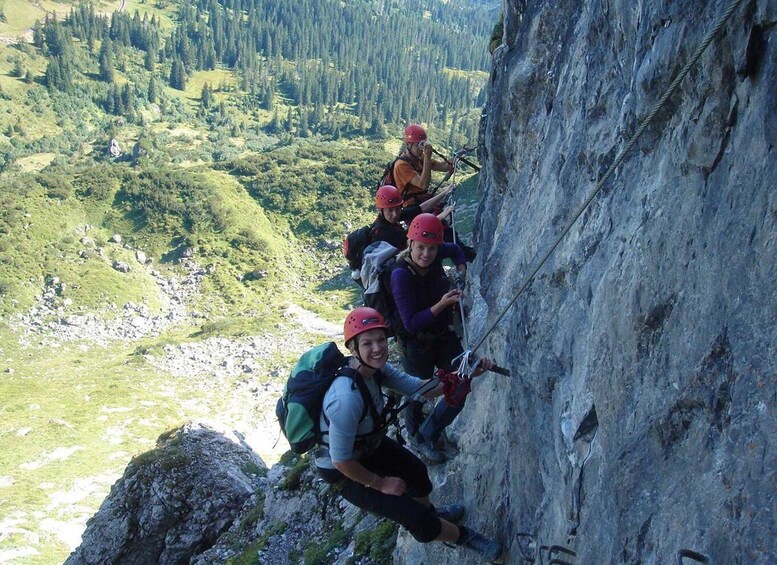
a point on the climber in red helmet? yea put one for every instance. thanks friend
(391, 212)
(413, 174)
(425, 304)
(372, 471)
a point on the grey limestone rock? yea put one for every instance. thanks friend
(114, 148)
(640, 417)
(173, 502)
(121, 266)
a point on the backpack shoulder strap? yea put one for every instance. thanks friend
(405, 264)
(369, 405)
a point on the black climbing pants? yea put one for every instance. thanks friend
(392, 460)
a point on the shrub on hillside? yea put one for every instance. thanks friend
(321, 187)
(7, 156)
(247, 238)
(172, 202)
(99, 181)
(56, 185)
(6, 288)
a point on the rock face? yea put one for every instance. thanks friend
(173, 502)
(640, 417)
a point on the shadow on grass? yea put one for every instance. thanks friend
(351, 292)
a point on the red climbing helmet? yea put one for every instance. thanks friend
(387, 197)
(414, 133)
(361, 320)
(426, 228)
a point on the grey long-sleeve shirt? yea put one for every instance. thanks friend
(343, 407)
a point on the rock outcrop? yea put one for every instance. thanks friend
(640, 417)
(173, 502)
(202, 498)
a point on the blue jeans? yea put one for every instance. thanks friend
(420, 358)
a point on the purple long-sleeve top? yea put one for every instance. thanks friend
(415, 294)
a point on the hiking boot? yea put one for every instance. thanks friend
(428, 451)
(446, 443)
(486, 548)
(452, 513)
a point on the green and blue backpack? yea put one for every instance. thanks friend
(299, 408)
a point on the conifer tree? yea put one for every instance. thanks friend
(275, 123)
(38, 37)
(304, 128)
(53, 74)
(18, 70)
(106, 60)
(152, 93)
(149, 59)
(288, 125)
(206, 97)
(128, 100)
(177, 75)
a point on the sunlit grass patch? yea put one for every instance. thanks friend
(20, 15)
(36, 162)
(393, 147)
(71, 422)
(481, 76)
(214, 78)
(164, 10)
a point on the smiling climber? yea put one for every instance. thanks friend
(388, 201)
(369, 469)
(425, 303)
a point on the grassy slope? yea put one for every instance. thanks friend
(72, 417)
(66, 437)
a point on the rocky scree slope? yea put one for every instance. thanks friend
(640, 417)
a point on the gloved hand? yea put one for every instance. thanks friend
(461, 280)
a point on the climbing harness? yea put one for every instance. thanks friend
(621, 156)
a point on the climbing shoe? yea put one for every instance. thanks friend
(428, 451)
(452, 513)
(486, 548)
